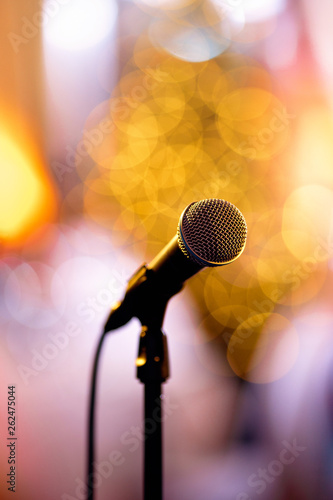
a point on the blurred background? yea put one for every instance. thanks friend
(114, 116)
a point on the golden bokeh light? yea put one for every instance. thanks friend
(184, 131)
(229, 317)
(243, 105)
(251, 121)
(213, 84)
(246, 73)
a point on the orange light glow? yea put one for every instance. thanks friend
(27, 199)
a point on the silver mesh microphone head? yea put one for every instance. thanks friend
(212, 232)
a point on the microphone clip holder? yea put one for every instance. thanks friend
(153, 361)
(143, 299)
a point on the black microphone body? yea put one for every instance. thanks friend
(171, 265)
(210, 233)
(153, 284)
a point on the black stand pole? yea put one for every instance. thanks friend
(152, 370)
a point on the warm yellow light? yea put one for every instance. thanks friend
(314, 149)
(25, 199)
(140, 361)
(307, 223)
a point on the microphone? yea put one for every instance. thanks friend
(210, 233)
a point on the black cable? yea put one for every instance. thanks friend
(91, 425)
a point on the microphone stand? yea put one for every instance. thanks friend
(145, 300)
(152, 370)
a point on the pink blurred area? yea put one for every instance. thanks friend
(73, 232)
